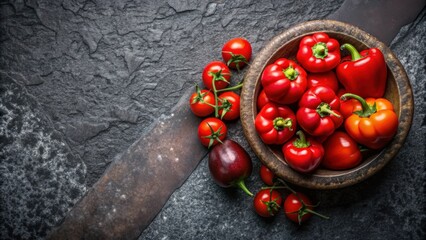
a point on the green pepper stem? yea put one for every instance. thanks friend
(320, 50)
(281, 123)
(366, 111)
(301, 141)
(352, 50)
(324, 109)
(291, 73)
(242, 185)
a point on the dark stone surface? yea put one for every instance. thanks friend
(95, 75)
(40, 178)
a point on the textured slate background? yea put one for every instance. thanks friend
(82, 80)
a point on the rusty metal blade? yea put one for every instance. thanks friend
(137, 185)
(381, 18)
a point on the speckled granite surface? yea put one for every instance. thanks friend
(82, 80)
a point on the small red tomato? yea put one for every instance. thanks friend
(236, 53)
(298, 207)
(267, 202)
(267, 176)
(341, 152)
(201, 102)
(229, 103)
(217, 72)
(262, 100)
(327, 79)
(211, 131)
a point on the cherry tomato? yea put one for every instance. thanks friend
(218, 72)
(341, 152)
(262, 100)
(201, 102)
(297, 207)
(236, 53)
(230, 103)
(267, 202)
(267, 176)
(211, 131)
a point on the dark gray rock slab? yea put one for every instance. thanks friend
(40, 178)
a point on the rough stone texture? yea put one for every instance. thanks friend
(102, 71)
(40, 179)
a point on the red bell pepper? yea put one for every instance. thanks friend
(363, 73)
(275, 124)
(327, 79)
(318, 52)
(318, 112)
(262, 100)
(375, 125)
(341, 152)
(284, 81)
(303, 154)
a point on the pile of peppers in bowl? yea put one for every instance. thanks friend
(325, 109)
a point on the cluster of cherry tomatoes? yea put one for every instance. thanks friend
(268, 201)
(229, 163)
(218, 98)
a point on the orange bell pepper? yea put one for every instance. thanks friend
(375, 125)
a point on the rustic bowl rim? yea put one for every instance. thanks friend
(339, 179)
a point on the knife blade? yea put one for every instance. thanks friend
(135, 187)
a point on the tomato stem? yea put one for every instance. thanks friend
(316, 213)
(285, 185)
(236, 87)
(216, 106)
(242, 185)
(199, 98)
(214, 135)
(303, 209)
(209, 104)
(235, 58)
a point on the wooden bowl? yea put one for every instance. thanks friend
(398, 91)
